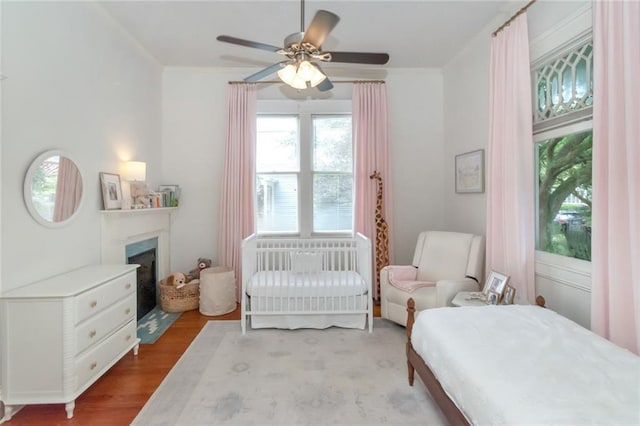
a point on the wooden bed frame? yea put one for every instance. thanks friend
(415, 363)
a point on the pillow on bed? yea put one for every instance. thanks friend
(306, 262)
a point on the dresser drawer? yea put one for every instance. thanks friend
(93, 362)
(104, 323)
(99, 298)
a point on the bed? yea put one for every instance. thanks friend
(306, 283)
(520, 365)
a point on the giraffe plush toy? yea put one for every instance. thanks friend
(382, 232)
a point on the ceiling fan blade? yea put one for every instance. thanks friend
(320, 27)
(359, 57)
(265, 72)
(325, 85)
(248, 43)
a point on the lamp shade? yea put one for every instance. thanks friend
(135, 171)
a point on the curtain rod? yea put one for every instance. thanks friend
(510, 20)
(334, 82)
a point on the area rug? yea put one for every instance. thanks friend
(154, 323)
(292, 377)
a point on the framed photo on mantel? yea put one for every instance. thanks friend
(470, 172)
(111, 191)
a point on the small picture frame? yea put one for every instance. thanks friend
(111, 191)
(496, 282)
(509, 295)
(470, 172)
(493, 298)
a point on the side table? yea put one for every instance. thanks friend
(468, 298)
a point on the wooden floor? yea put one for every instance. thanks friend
(118, 396)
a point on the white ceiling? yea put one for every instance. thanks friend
(418, 33)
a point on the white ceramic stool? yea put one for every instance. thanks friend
(217, 291)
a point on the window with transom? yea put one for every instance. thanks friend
(563, 98)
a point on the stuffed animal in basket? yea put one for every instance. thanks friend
(202, 264)
(177, 279)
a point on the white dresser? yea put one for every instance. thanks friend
(59, 335)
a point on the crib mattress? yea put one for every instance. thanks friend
(290, 284)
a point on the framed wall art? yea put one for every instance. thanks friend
(111, 191)
(470, 172)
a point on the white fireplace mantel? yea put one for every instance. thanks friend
(123, 227)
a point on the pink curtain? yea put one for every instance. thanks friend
(371, 142)
(615, 297)
(238, 181)
(510, 185)
(68, 190)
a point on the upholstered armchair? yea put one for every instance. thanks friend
(444, 264)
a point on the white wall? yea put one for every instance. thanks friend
(76, 82)
(194, 125)
(416, 115)
(466, 127)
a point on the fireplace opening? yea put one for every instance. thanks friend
(144, 254)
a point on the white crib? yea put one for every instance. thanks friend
(306, 283)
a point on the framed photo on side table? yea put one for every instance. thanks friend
(470, 172)
(493, 298)
(496, 282)
(509, 295)
(111, 191)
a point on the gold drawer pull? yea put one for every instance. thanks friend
(93, 304)
(92, 333)
(128, 337)
(128, 286)
(93, 365)
(128, 311)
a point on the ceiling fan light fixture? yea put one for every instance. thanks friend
(302, 75)
(304, 54)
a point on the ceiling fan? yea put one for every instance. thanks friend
(304, 52)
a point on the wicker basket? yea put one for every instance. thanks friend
(181, 299)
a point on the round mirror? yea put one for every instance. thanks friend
(53, 189)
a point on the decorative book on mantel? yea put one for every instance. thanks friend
(167, 196)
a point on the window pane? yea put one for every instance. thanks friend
(277, 143)
(564, 84)
(332, 202)
(564, 196)
(277, 203)
(332, 146)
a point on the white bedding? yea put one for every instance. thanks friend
(527, 365)
(287, 283)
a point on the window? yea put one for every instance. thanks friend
(304, 172)
(563, 95)
(332, 174)
(277, 158)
